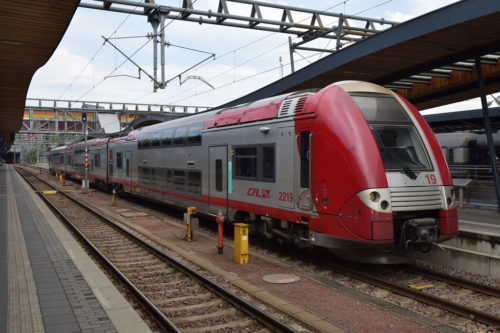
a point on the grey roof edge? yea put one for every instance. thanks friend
(461, 115)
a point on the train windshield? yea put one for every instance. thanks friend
(399, 143)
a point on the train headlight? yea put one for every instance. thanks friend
(450, 196)
(384, 204)
(374, 196)
(378, 199)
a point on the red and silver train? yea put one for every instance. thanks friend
(352, 167)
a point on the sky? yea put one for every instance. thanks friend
(83, 68)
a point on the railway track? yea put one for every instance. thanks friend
(175, 295)
(462, 297)
(466, 299)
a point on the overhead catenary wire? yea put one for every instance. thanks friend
(240, 80)
(127, 59)
(265, 52)
(233, 52)
(260, 54)
(364, 10)
(227, 53)
(92, 58)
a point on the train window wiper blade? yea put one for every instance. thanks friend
(405, 169)
(409, 172)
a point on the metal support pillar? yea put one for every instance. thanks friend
(290, 46)
(162, 41)
(487, 127)
(154, 22)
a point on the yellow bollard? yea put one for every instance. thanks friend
(61, 179)
(241, 243)
(189, 233)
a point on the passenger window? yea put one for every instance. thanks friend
(194, 136)
(255, 163)
(218, 175)
(180, 135)
(119, 160)
(155, 139)
(245, 162)
(166, 139)
(304, 158)
(110, 163)
(97, 159)
(194, 182)
(144, 174)
(267, 163)
(179, 180)
(169, 180)
(144, 141)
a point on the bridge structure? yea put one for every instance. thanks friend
(49, 123)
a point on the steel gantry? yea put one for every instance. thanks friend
(344, 29)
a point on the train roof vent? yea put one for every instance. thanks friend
(292, 106)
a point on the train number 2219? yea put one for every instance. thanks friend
(285, 196)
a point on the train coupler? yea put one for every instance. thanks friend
(419, 234)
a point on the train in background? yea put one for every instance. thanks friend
(467, 148)
(352, 167)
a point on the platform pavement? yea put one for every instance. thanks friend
(479, 219)
(47, 281)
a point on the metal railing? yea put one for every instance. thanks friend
(474, 172)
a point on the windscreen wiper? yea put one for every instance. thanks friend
(406, 170)
(409, 172)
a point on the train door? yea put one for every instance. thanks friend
(285, 171)
(218, 179)
(128, 169)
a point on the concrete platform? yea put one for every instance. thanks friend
(477, 247)
(47, 281)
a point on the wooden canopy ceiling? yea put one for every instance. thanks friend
(30, 31)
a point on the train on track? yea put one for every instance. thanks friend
(466, 148)
(352, 167)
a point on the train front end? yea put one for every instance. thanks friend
(387, 191)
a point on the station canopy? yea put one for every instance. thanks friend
(29, 33)
(430, 59)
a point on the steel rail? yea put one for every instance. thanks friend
(159, 317)
(477, 287)
(432, 300)
(261, 316)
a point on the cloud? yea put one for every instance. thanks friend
(414, 8)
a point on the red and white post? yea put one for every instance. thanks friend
(220, 240)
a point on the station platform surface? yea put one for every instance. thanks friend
(485, 220)
(47, 281)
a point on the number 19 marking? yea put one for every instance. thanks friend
(431, 179)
